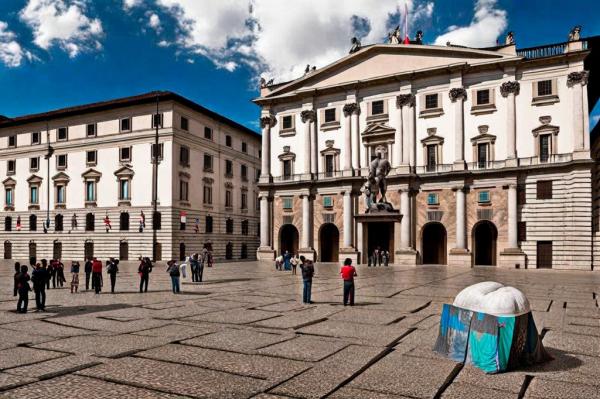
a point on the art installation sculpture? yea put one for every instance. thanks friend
(355, 45)
(377, 184)
(575, 34)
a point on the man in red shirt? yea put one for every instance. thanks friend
(97, 275)
(348, 273)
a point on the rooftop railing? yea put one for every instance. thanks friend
(547, 50)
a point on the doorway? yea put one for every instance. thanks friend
(181, 251)
(288, 239)
(544, 255)
(7, 250)
(434, 244)
(57, 250)
(329, 239)
(123, 250)
(484, 238)
(381, 236)
(88, 249)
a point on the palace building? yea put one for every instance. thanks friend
(88, 171)
(489, 148)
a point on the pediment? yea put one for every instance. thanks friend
(433, 139)
(91, 174)
(545, 128)
(61, 177)
(124, 172)
(383, 60)
(376, 129)
(484, 137)
(9, 181)
(34, 179)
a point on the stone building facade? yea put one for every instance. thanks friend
(100, 172)
(489, 148)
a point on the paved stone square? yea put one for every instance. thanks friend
(244, 333)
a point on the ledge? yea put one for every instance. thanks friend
(483, 109)
(287, 132)
(545, 100)
(34, 207)
(124, 203)
(90, 204)
(378, 118)
(430, 113)
(330, 125)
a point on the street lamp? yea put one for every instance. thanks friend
(48, 155)
(156, 120)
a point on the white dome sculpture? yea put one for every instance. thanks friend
(493, 298)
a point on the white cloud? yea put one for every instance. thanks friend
(62, 23)
(154, 22)
(487, 24)
(278, 38)
(11, 52)
(129, 4)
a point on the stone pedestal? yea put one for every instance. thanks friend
(349, 253)
(459, 257)
(513, 258)
(308, 253)
(405, 257)
(265, 253)
(459, 165)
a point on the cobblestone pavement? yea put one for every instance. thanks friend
(244, 333)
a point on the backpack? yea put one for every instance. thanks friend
(174, 271)
(110, 268)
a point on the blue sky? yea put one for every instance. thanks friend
(57, 53)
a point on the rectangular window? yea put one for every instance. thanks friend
(11, 166)
(545, 147)
(154, 153)
(208, 133)
(184, 156)
(483, 197)
(431, 101)
(36, 138)
(483, 97)
(244, 201)
(60, 194)
(431, 157)
(125, 124)
(208, 163)
(9, 197)
(208, 226)
(329, 165)
(12, 141)
(432, 199)
(286, 122)
(228, 199)
(228, 168)
(62, 134)
(287, 169)
(482, 155)
(125, 154)
(90, 191)
(244, 146)
(124, 190)
(544, 255)
(330, 115)
(207, 199)
(185, 124)
(33, 195)
(328, 201)
(228, 141)
(91, 158)
(34, 164)
(244, 172)
(544, 189)
(544, 88)
(521, 231)
(183, 190)
(287, 203)
(91, 130)
(377, 108)
(157, 120)
(61, 161)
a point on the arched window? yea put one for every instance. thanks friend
(124, 221)
(7, 250)
(181, 251)
(123, 250)
(32, 223)
(244, 252)
(58, 223)
(229, 251)
(229, 226)
(90, 222)
(8, 223)
(209, 225)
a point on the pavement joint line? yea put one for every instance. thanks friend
(421, 308)
(67, 371)
(136, 385)
(15, 385)
(310, 323)
(58, 323)
(66, 354)
(550, 305)
(449, 380)
(401, 337)
(525, 385)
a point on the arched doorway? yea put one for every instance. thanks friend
(57, 250)
(181, 251)
(7, 250)
(32, 250)
(123, 250)
(485, 235)
(329, 239)
(434, 244)
(288, 239)
(88, 249)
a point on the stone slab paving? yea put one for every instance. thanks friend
(245, 333)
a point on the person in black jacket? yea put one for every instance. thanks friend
(15, 283)
(112, 268)
(39, 278)
(308, 271)
(88, 273)
(46, 267)
(144, 270)
(23, 288)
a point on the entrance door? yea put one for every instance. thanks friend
(124, 250)
(329, 238)
(381, 236)
(32, 250)
(88, 249)
(181, 251)
(57, 250)
(158, 251)
(7, 250)
(485, 235)
(434, 244)
(288, 239)
(544, 254)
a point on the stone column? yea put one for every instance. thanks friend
(458, 95)
(351, 111)
(406, 221)
(576, 81)
(306, 221)
(510, 90)
(360, 242)
(406, 103)
(266, 122)
(460, 219)
(412, 136)
(398, 160)
(405, 254)
(350, 162)
(307, 117)
(265, 250)
(348, 219)
(512, 216)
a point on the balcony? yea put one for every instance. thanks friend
(437, 168)
(548, 50)
(329, 175)
(486, 165)
(549, 159)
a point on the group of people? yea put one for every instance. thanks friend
(287, 261)
(196, 264)
(379, 257)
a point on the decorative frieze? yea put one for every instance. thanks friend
(268, 120)
(457, 93)
(405, 100)
(580, 77)
(511, 87)
(351, 108)
(308, 115)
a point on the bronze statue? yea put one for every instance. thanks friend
(355, 45)
(377, 184)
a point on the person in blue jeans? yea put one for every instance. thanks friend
(173, 270)
(308, 271)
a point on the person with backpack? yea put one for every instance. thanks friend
(173, 270)
(144, 271)
(74, 276)
(348, 272)
(97, 275)
(39, 278)
(112, 268)
(23, 289)
(88, 273)
(308, 271)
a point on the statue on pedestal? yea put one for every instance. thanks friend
(377, 184)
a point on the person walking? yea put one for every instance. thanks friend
(308, 271)
(112, 268)
(23, 289)
(194, 265)
(294, 262)
(278, 262)
(46, 266)
(348, 272)
(286, 261)
(60, 273)
(386, 258)
(39, 278)
(88, 273)
(144, 270)
(203, 261)
(97, 275)
(173, 270)
(15, 282)
(75, 276)
(52, 272)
